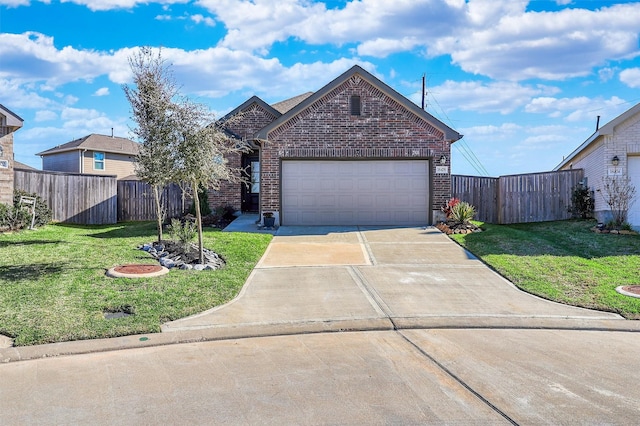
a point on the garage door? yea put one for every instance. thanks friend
(634, 176)
(380, 192)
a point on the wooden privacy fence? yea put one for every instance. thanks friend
(535, 197)
(136, 202)
(97, 200)
(72, 198)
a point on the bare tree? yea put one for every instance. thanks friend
(200, 153)
(152, 108)
(619, 194)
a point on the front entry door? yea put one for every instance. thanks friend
(251, 188)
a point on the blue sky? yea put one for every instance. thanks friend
(523, 80)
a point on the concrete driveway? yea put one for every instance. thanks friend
(346, 326)
(350, 278)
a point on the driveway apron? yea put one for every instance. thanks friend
(316, 279)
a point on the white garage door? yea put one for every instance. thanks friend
(634, 176)
(367, 192)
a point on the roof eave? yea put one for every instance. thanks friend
(252, 100)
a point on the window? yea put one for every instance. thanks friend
(354, 104)
(255, 177)
(98, 161)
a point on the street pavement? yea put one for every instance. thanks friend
(346, 325)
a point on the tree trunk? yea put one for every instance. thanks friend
(156, 196)
(196, 201)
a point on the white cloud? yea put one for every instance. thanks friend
(504, 131)
(218, 71)
(14, 3)
(46, 115)
(496, 38)
(502, 97)
(21, 96)
(631, 77)
(510, 147)
(118, 4)
(34, 57)
(103, 91)
(579, 108)
(198, 19)
(549, 45)
(383, 47)
(606, 74)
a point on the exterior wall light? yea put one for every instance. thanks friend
(443, 160)
(1, 151)
(615, 160)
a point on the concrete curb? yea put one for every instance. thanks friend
(247, 331)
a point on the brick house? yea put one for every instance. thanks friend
(613, 151)
(356, 152)
(93, 154)
(9, 123)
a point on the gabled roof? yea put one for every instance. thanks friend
(94, 142)
(21, 166)
(284, 106)
(252, 100)
(449, 134)
(13, 120)
(607, 129)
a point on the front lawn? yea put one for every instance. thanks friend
(563, 261)
(53, 286)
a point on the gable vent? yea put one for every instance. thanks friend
(355, 105)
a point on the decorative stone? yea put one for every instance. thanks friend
(171, 255)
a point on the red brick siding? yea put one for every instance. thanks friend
(250, 121)
(385, 129)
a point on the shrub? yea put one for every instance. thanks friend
(225, 212)
(13, 218)
(448, 206)
(43, 213)
(203, 197)
(462, 212)
(582, 202)
(182, 233)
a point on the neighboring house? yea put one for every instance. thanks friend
(93, 154)
(9, 123)
(612, 151)
(355, 152)
(21, 166)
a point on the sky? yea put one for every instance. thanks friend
(523, 81)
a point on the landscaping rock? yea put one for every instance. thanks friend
(172, 255)
(451, 227)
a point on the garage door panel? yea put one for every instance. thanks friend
(365, 192)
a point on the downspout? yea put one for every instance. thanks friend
(82, 160)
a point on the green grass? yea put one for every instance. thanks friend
(563, 261)
(53, 286)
